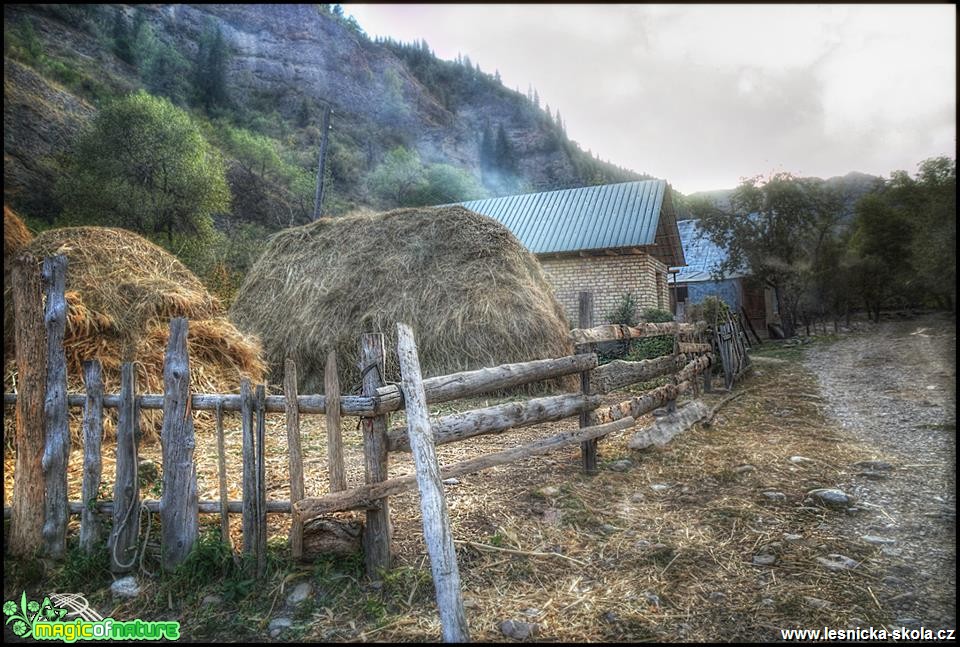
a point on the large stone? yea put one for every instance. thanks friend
(299, 593)
(278, 625)
(837, 562)
(125, 587)
(667, 427)
(518, 630)
(831, 498)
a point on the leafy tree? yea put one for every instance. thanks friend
(122, 45)
(210, 75)
(398, 178)
(144, 165)
(446, 184)
(774, 225)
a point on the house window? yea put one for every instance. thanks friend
(682, 293)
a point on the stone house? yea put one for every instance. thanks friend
(609, 239)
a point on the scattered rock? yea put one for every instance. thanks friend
(518, 630)
(652, 598)
(211, 600)
(875, 539)
(451, 481)
(875, 466)
(549, 491)
(837, 562)
(637, 497)
(469, 602)
(800, 459)
(610, 617)
(659, 487)
(775, 496)
(531, 612)
(767, 602)
(890, 551)
(622, 465)
(831, 498)
(816, 603)
(717, 596)
(278, 625)
(299, 593)
(764, 560)
(791, 537)
(609, 528)
(125, 587)
(744, 469)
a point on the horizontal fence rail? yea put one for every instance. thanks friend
(618, 332)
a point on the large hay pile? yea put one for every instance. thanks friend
(122, 291)
(473, 294)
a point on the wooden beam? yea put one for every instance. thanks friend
(617, 332)
(588, 450)
(295, 455)
(620, 373)
(331, 387)
(437, 532)
(126, 489)
(377, 531)
(92, 461)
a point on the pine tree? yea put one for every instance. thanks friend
(211, 71)
(536, 98)
(488, 152)
(504, 155)
(496, 77)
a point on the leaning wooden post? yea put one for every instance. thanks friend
(56, 452)
(126, 490)
(261, 410)
(26, 532)
(92, 462)
(179, 519)
(377, 531)
(295, 461)
(331, 389)
(249, 469)
(433, 507)
(588, 449)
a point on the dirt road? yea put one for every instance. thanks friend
(894, 388)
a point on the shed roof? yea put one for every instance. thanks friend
(608, 216)
(703, 257)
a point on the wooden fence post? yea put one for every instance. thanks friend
(126, 489)
(295, 457)
(588, 449)
(331, 389)
(433, 507)
(377, 531)
(222, 477)
(179, 520)
(92, 461)
(249, 469)
(26, 532)
(56, 454)
(261, 454)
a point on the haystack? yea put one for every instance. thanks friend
(473, 294)
(122, 291)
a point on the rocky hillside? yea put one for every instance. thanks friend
(284, 63)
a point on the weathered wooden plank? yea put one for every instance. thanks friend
(92, 461)
(56, 453)
(179, 522)
(261, 453)
(222, 478)
(153, 505)
(126, 490)
(692, 348)
(30, 335)
(367, 496)
(498, 418)
(615, 332)
(620, 373)
(249, 469)
(331, 388)
(468, 383)
(295, 455)
(588, 450)
(437, 532)
(350, 405)
(377, 531)
(640, 405)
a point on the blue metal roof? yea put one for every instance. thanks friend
(703, 257)
(608, 216)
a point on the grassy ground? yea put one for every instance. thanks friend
(602, 558)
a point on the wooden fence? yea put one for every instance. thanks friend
(179, 506)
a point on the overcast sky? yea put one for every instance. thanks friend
(703, 95)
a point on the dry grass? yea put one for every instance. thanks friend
(604, 558)
(122, 291)
(473, 295)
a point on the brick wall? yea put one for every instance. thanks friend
(609, 278)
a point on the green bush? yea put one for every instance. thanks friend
(626, 311)
(655, 315)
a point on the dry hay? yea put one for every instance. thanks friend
(15, 237)
(472, 293)
(122, 291)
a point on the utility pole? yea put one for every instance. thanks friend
(318, 199)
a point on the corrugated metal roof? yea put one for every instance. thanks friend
(608, 216)
(702, 255)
